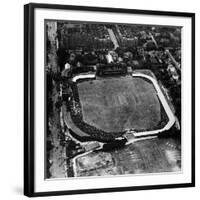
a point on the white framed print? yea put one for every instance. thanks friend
(108, 99)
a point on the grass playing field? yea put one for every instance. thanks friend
(114, 104)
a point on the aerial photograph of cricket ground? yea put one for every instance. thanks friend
(112, 99)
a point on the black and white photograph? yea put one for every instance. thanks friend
(109, 100)
(113, 99)
(99, 99)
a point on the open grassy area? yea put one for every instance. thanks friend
(117, 103)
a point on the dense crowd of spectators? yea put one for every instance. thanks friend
(74, 107)
(77, 117)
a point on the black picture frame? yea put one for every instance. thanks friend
(29, 82)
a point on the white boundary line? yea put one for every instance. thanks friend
(168, 110)
(83, 76)
(161, 96)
